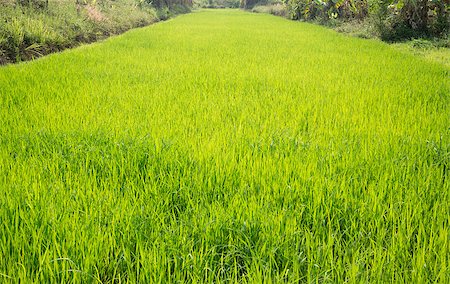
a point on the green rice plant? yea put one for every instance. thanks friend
(225, 146)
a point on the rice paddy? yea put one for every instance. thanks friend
(225, 146)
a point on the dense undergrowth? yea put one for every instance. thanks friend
(392, 20)
(30, 29)
(225, 146)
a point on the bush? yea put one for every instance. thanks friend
(277, 9)
(36, 4)
(358, 28)
(406, 19)
(163, 13)
(394, 19)
(327, 10)
(179, 9)
(216, 3)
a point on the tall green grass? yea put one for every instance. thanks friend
(28, 32)
(225, 146)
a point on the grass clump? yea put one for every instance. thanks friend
(225, 146)
(435, 50)
(277, 9)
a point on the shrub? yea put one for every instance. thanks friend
(394, 19)
(277, 9)
(406, 19)
(216, 3)
(36, 4)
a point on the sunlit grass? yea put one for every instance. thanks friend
(433, 54)
(225, 146)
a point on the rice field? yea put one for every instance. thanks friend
(225, 146)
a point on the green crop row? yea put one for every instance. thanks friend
(224, 146)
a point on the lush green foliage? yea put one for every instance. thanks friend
(399, 19)
(224, 145)
(216, 3)
(327, 9)
(394, 19)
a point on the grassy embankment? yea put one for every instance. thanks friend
(224, 145)
(39, 27)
